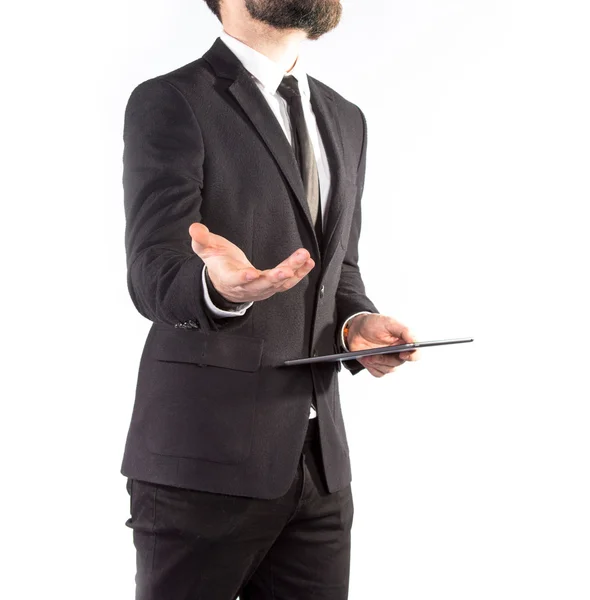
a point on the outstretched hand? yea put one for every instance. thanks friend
(234, 276)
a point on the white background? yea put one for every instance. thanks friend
(471, 467)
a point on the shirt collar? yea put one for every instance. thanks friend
(268, 72)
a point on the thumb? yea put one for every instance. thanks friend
(200, 238)
(400, 331)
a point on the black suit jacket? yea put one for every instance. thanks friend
(214, 408)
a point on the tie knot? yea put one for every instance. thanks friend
(289, 88)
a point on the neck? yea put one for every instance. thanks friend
(280, 45)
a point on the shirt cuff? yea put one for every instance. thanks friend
(219, 312)
(363, 312)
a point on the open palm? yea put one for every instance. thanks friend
(235, 277)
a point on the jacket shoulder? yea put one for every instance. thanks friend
(193, 75)
(346, 107)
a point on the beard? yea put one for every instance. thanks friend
(315, 17)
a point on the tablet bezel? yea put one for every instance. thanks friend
(373, 351)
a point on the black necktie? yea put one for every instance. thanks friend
(303, 149)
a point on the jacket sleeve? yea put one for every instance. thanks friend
(162, 180)
(350, 295)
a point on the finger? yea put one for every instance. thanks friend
(255, 282)
(246, 276)
(280, 275)
(386, 362)
(386, 371)
(298, 276)
(201, 239)
(304, 270)
(408, 336)
(289, 267)
(376, 372)
(283, 272)
(400, 331)
(262, 284)
(296, 260)
(411, 356)
(268, 282)
(207, 244)
(199, 233)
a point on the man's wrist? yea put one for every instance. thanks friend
(344, 334)
(217, 304)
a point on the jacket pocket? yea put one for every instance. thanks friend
(202, 394)
(218, 349)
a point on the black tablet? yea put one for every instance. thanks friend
(373, 351)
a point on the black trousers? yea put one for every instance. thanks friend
(193, 545)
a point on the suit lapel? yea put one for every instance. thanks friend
(260, 114)
(249, 97)
(323, 107)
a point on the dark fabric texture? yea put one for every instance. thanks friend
(304, 154)
(215, 410)
(303, 150)
(194, 545)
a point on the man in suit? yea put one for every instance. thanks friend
(243, 179)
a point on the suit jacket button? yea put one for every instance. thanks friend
(322, 291)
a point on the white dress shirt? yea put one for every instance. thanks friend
(268, 74)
